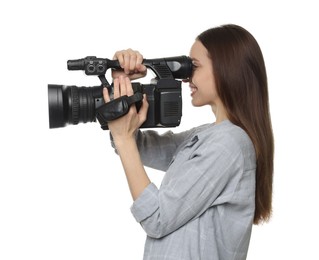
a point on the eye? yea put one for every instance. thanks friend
(195, 67)
(195, 64)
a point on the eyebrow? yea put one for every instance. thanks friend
(194, 59)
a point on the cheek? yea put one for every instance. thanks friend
(208, 90)
(210, 93)
(205, 82)
(209, 84)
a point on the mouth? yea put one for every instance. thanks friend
(193, 89)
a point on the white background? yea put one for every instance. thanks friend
(63, 194)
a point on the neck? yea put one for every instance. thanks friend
(220, 113)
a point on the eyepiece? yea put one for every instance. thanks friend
(178, 67)
(181, 66)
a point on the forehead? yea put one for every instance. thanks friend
(198, 51)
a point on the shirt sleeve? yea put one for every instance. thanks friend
(207, 179)
(157, 150)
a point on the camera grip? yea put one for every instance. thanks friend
(116, 108)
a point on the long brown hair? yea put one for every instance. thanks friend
(241, 83)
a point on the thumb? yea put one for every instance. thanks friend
(143, 110)
(106, 95)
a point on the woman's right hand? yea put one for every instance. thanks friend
(131, 63)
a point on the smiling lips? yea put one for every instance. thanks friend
(193, 89)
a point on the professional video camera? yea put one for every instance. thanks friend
(73, 105)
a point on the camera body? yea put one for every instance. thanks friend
(73, 105)
(165, 103)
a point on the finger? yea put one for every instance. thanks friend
(139, 57)
(139, 62)
(117, 73)
(129, 89)
(116, 85)
(106, 95)
(126, 65)
(141, 68)
(123, 86)
(132, 61)
(119, 56)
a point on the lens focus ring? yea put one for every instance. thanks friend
(74, 118)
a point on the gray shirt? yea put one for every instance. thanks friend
(204, 208)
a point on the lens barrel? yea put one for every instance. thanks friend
(56, 106)
(72, 104)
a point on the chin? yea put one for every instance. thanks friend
(196, 104)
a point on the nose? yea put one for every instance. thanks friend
(186, 80)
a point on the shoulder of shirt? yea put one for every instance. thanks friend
(224, 134)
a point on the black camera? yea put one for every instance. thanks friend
(73, 105)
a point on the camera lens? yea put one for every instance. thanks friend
(56, 106)
(71, 104)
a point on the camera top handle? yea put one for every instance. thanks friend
(178, 67)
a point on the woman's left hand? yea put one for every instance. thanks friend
(126, 126)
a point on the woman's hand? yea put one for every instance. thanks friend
(131, 63)
(123, 132)
(125, 126)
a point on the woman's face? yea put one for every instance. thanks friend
(202, 82)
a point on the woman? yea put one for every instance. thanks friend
(218, 180)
